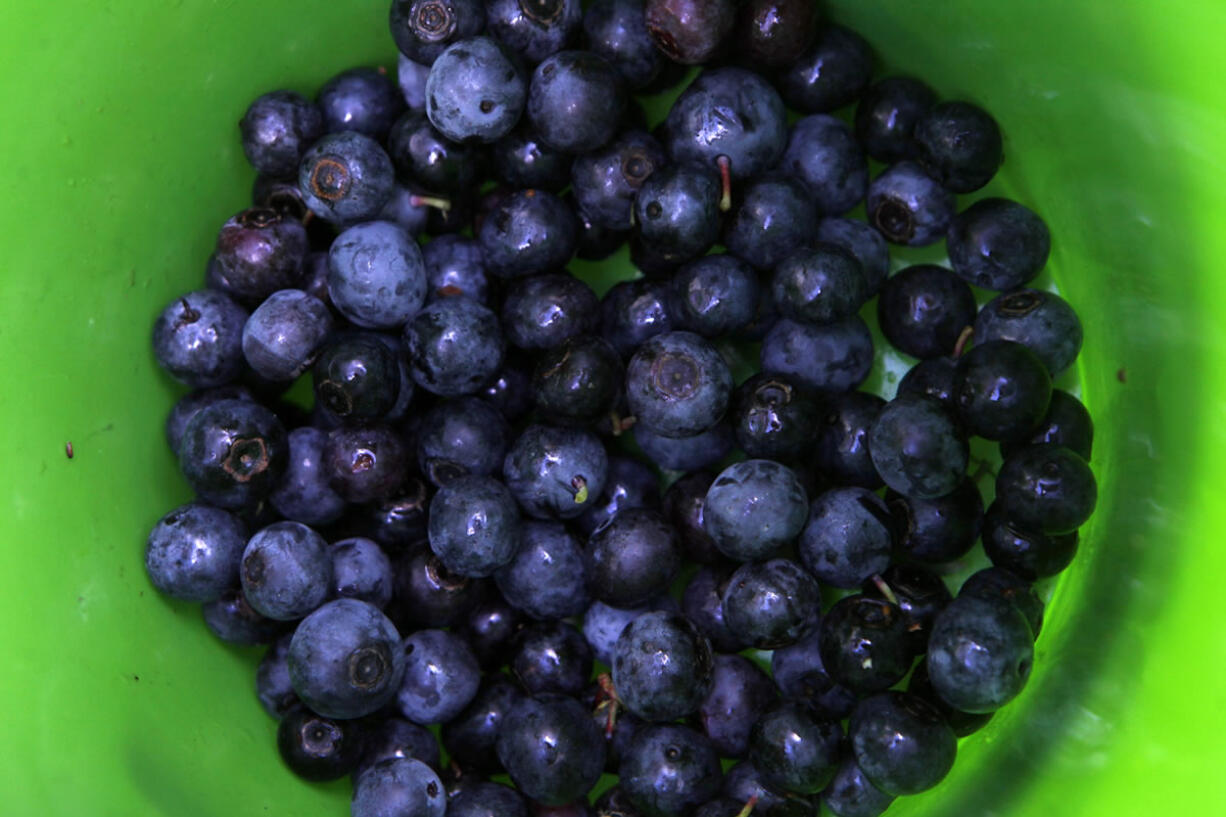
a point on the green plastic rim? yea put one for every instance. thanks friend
(121, 158)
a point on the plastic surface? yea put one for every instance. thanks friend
(121, 158)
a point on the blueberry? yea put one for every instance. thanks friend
(999, 244)
(484, 799)
(1029, 554)
(605, 181)
(395, 737)
(683, 507)
(933, 378)
(454, 346)
(830, 74)
(551, 657)
(775, 33)
(543, 311)
(629, 484)
(662, 666)
(909, 207)
(840, 447)
(365, 464)
(831, 357)
(729, 112)
(233, 453)
(575, 101)
(1046, 488)
(678, 384)
(603, 625)
(490, 628)
(399, 786)
(887, 115)
(617, 31)
(276, 129)
(474, 525)
(632, 558)
(690, 32)
(960, 145)
(848, 538)
(376, 275)
(1067, 423)
(753, 508)
(317, 748)
(917, 448)
(593, 241)
(509, 389)
(739, 693)
(743, 782)
(703, 604)
(282, 337)
(470, 736)
(189, 405)
(346, 177)
(534, 29)
(771, 604)
(522, 161)
(864, 243)
(938, 530)
(475, 91)
(272, 681)
(546, 578)
(286, 571)
(441, 675)
(399, 521)
(714, 295)
(364, 100)
(823, 285)
(774, 219)
(461, 436)
(232, 620)
(551, 748)
(919, 593)
(822, 154)
(1002, 390)
(800, 675)
(669, 769)
(980, 653)
(774, 417)
(357, 378)
(676, 211)
(455, 266)
(198, 339)
(901, 743)
(419, 152)
(423, 28)
(554, 473)
(529, 232)
(864, 644)
(1041, 321)
(633, 311)
(361, 570)
(193, 552)
(794, 750)
(701, 450)
(412, 76)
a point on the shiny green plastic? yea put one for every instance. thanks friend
(120, 159)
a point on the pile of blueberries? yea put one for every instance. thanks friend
(547, 529)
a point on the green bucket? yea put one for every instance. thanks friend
(120, 152)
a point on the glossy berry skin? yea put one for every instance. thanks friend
(575, 101)
(793, 750)
(395, 737)
(362, 571)
(430, 159)
(633, 558)
(728, 112)
(233, 453)
(198, 339)
(543, 311)
(917, 447)
(830, 74)
(470, 736)
(422, 29)
(484, 799)
(633, 311)
(678, 384)
(276, 129)
(345, 659)
(822, 154)
(454, 346)
(908, 207)
(522, 161)
(901, 743)
(605, 181)
(272, 682)
(963, 723)
(534, 29)
(774, 33)
(998, 244)
(232, 620)
(822, 285)
(346, 177)
(441, 675)
(887, 115)
(714, 295)
(630, 483)
(933, 378)
(739, 693)
(1002, 390)
(1030, 554)
(551, 657)
(864, 644)
(996, 582)
(683, 507)
(356, 378)
(744, 781)
(490, 630)
(376, 276)
(668, 770)
(527, 233)
(979, 654)
(849, 537)
(316, 748)
(1067, 423)
(703, 604)
(863, 242)
(753, 508)
(800, 675)
(959, 145)
(366, 463)
(459, 437)
(303, 494)
(555, 473)
(774, 418)
(399, 786)
(551, 748)
(546, 579)
(1041, 321)
(283, 335)
(578, 382)
(771, 604)
(676, 211)
(603, 624)
(286, 571)
(362, 100)
(429, 595)
(193, 552)
(399, 521)
(474, 525)
(775, 218)
(1046, 488)
(617, 31)
(851, 795)
(832, 357)
(939, 530)
(690, 32)
(475, 92)
(662, 666)
(454, 266)
(924, 309)
(920, 594)
(189, 405)
(702, 450)
(840, 448)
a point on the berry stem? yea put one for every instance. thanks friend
(725, 181)
(437, 202)
(885, 589)
(748, 807)
(968, 332)
(580, 485)
(607, 697)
